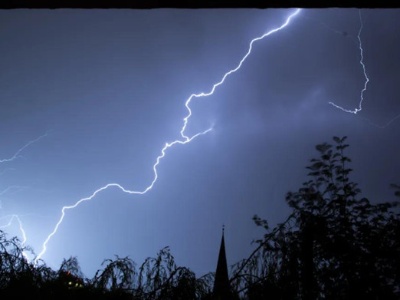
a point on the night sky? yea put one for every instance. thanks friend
(90, 97)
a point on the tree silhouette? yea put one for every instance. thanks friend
(156, 278)
(334, 245)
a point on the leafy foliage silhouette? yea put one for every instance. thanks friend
(334, 245)
(157, 278)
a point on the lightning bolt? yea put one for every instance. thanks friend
(359, 108)
(16, 154)
(184, 138)
(5, 160)
(21, 228)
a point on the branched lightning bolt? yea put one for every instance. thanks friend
(5, 160)
(359, 108)
(185, 139)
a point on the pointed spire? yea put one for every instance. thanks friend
(221, 290)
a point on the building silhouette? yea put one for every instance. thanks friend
(222, 288)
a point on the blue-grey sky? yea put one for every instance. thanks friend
(107, 89)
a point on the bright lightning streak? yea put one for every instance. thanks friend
(359, 108)
(65, 208)
(185, 140)
(21, 228)
(16, 217)
(185, 120)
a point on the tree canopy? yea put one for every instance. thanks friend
(334, 245)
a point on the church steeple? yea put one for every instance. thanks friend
(222, 289)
